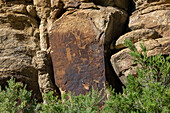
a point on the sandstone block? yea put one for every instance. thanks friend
(87, 5)
(123, 64)
(18, 47)
(135, 36)
(76, 54)
(144, 3)
(157, 20)
(41, 3)
(77, 42)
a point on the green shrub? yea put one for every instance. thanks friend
(88, 103)
(51, 104)
(16, 98)
(149, 92)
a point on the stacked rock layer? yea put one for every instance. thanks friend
(72, 45)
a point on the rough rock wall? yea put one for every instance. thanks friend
(23, 45)
(149, 22)
(67, 44)
(80, 41)
(19, 35)
(31, 28)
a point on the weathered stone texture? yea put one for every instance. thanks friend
(157, 20)
(123, 64)
(152, 14)
(18, 45)
(77, 57)
(146, 3)
(84, 25)
(124, 4)
(31, 10)
(82, 35)
(135, 36)
(149, 22)
(77, 42)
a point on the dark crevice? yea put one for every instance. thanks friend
(111, 35)
(38, 20)
(11, 2)
(102, 2)
(59, 10)
(3, 82)
(132, 7)
(111, 77)
(51, 71)
(52, 76)
(50, 64)
(61, 13)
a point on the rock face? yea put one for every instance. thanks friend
(23, 54)
(146, 3)
(149, 23)
(123, 64)
(135, 36)
(18, 45)
(67, 45)
(77, 54)
(123, 4)
(77, 44)
(81, 32)
(152, 15)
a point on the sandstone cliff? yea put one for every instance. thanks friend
(72, 45)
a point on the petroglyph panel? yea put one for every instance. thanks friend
(77, 55)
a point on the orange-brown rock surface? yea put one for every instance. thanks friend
(68, 44)
(77, 44)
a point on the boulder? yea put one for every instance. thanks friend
(123, 4)
(123, 64)
(16, 8)
(152, 16)
(164, 49)
(88, 5)
(145, 3)
(135, 36)
(77, 43)
(148, 23)
(76, 54)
